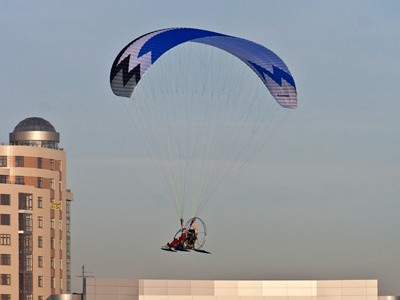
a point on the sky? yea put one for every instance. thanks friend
(320, 202)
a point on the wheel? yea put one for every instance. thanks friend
(197, 232)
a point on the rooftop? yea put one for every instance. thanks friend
(34, 124)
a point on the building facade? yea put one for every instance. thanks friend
(34, 214)
(131, 289)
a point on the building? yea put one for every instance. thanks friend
(34, 214)
(131, 289)
(67, 297)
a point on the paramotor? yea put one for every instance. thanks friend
(202, 114)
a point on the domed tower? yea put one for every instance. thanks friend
(35, 132)
(34, 213)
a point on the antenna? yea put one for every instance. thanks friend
(84, 276)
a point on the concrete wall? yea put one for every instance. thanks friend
(125, 289)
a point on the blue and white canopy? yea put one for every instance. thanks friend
(138, 56)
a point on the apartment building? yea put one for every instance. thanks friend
(34, 214)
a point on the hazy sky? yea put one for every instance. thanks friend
(322, 202)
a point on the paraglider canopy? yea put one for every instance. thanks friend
(202, 113)
(138, 56)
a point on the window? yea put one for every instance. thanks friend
(40, 281)
(25, 201)
(19, 161)
(40, 242)
(25, 243)
(52, 184)
(28, 222)
(4, 219)
(51, 164)
(3, 161)
(4, 199)
(40, 261)
(25, 222)
(3, 178)
(5, 259)
(19, 180)
(40, 202)
(40, 222)
(52, 262)
(40, 182)
(5, 239)
(5, 279)
(52, 244)
(39, 162)
(40, 297)
(53, 284)
(5, 297)
(28, 263)
(52, 223)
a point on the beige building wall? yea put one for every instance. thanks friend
(9, 248)
(47, 232)
(125, 289)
